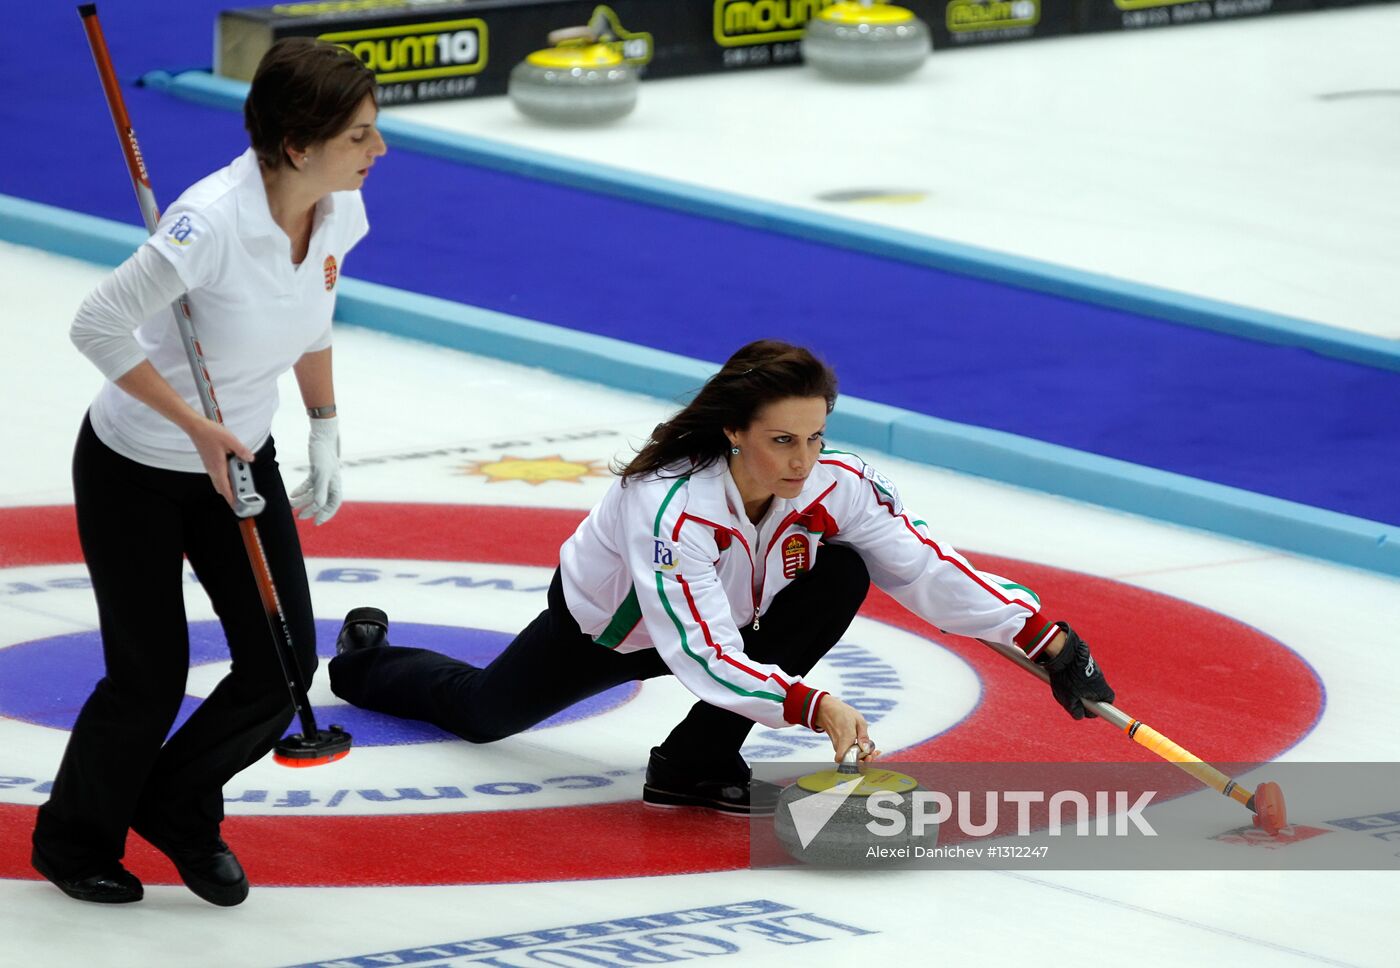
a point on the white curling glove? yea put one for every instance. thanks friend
(319, 494)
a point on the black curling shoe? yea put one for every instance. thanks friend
(364, 628)
(210, 871)
(116, 885)
(668, 784)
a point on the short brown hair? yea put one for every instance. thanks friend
(760, 373)
(305, 91)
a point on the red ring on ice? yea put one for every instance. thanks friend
(1223, 689)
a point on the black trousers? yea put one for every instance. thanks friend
(552, 664)
(119, 772)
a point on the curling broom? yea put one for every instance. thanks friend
(1266, 802)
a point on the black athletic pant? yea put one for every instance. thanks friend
(552, 664)
(136, 524)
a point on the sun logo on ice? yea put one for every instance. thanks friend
(535, 470)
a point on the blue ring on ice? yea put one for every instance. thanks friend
(46, 681)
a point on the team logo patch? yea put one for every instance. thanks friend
(885, 491)
(797, 555)
(663, 554)
(332, 272)
(181, 233)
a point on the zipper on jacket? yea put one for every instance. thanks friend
(756, 595)
(763, 577)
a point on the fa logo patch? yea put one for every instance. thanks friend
(663, 556)
(885, 491)
(332, 272)
(796, 556)
(180, 233)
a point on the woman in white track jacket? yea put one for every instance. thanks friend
(733, 553)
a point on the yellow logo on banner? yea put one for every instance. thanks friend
(415, 52)
(742, 22)
(633, 46)
(968, 15)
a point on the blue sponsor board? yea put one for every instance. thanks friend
(748, 927)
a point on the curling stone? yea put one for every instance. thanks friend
(822, 818)
(577, 81)
(865, 40)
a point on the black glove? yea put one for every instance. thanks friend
(1075, 676)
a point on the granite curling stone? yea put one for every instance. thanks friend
(824, 819)
(577, 81)
(864, 40)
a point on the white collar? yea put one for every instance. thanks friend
(254, 214)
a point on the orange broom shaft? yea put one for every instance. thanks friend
(1142, 734)
(126, 134)
(1148, 738)
(277, 624)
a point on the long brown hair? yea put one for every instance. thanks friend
(758, 374)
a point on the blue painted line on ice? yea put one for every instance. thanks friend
(973, 450)
(67, 233)
(208, 89)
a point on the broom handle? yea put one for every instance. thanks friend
(247, 502)
(1142, 734)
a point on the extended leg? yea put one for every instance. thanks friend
(128, 525)
(549, 666)
(250, 708)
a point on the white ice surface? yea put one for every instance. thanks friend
(1205, 160)
(1197, 159)
(400, 397)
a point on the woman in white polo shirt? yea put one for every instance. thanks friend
(258, 247)
(733, 553)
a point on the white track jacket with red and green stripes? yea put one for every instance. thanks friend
(673, 563)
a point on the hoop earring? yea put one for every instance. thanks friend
(734, 451)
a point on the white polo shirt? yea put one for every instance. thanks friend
(255, 313)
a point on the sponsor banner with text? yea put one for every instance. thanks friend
(426, 50)
(430, 50)
(964, 23)
(1137, 14)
